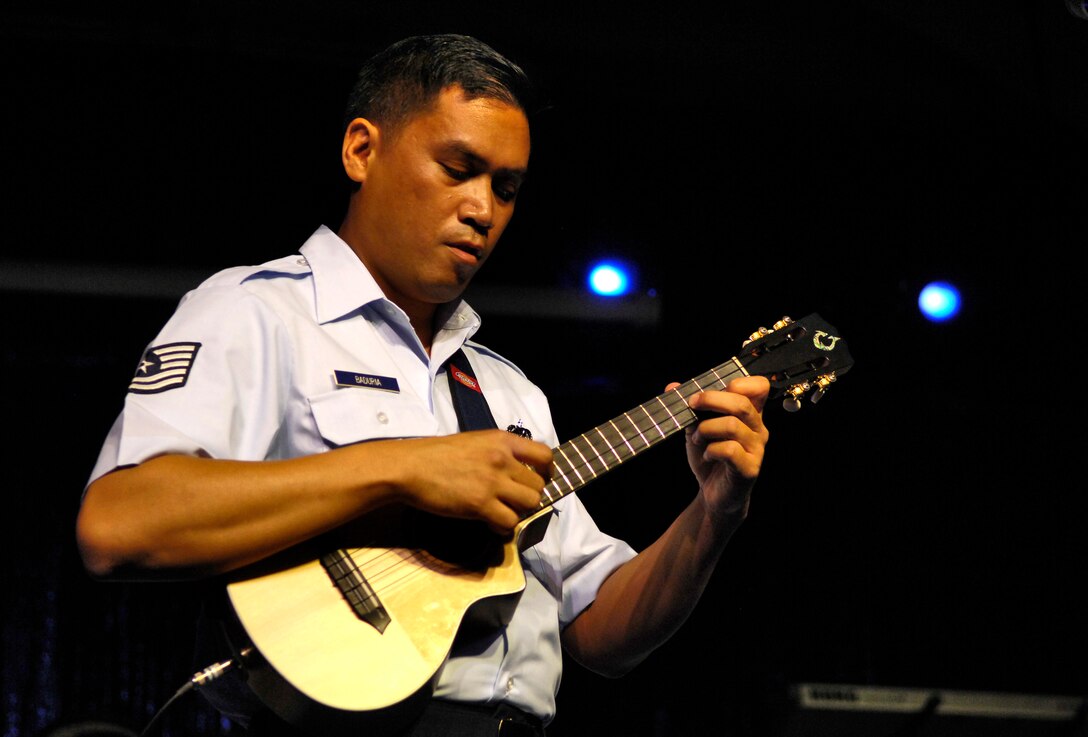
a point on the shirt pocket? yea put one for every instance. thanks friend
(346, 416)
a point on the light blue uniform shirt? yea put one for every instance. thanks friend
(245, 370)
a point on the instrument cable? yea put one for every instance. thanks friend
(198, 680)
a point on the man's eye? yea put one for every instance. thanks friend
(505, 187)
(455, 173)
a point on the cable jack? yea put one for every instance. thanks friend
(199, 680)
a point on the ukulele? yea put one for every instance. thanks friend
(350, 630)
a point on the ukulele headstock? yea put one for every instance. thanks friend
(798, 357)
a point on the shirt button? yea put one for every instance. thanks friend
(383, 418)
(301, 261)
(509, 685)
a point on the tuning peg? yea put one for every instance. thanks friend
(764, 332)
(761, 333)
(792, 401)
(822, 383)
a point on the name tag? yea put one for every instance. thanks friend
(366, 381)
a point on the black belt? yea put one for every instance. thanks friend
(455, 719)
(438, 719)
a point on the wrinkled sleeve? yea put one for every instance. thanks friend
(225, 396)
(575, 556)
(587, 557)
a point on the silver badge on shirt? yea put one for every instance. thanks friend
(366, 381)
(164, 367)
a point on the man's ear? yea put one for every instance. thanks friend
(360, 139)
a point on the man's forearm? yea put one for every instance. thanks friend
(644, 602)
(181, 516)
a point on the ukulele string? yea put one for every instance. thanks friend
(651, 424)
(387, 567)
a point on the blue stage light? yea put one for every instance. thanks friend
(939, 301)
(609, 279)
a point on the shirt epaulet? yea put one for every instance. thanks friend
(289, 266)
(483, 349)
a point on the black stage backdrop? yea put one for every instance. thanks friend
(920, 527)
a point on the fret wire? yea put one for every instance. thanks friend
(546, 496)
(562, 475)
(553, 492)
(608, 443)
(658, 419)
(651, 419)
(649, 442)
(610, 446)
(590, 467)
(571, 486)
(715, 376)
(557, 492)
(685, 389)
(677, 394)
(672, 403)
(684, 406)
(594, 452)
(669, 412)
(567, 459)
(675, 398)
(623, 438)
(637, 429)
(729, 372)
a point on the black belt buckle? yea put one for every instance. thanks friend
(511, 728)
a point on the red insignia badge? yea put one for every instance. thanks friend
(465, 379)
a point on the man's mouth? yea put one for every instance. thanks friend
(473, 251)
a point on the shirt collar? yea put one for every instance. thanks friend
(342, 284)
(458, 315)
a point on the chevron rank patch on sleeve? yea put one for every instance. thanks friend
(164, 367)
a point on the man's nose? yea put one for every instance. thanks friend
(478, 206)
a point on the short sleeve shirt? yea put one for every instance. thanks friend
(304, 354)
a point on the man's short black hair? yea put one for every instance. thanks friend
(407, 77)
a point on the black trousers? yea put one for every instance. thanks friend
(439, 719)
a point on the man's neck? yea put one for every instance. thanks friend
(423, 325)
(421, 315)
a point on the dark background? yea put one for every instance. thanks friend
(920, 527)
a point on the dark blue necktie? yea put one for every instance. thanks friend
(468, 399)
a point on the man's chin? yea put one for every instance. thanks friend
(447, 292)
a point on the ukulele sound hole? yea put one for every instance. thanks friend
(467, 544)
